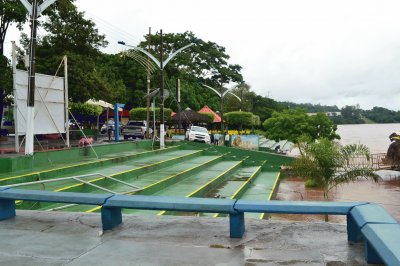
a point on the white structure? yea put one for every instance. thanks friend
(50, 111)
(51, 105)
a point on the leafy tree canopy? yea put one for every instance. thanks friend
(69, 33)
(86, 109)
(293, 125)
(239, 119)
(11, 11)
(141, 114)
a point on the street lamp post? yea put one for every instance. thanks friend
(34, 10)
(222, 95)
(161, 65)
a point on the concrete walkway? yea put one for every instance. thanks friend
(50, 238)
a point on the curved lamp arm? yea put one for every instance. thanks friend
(214, 90)
(176, 52)
(143, 51)
(237, 97)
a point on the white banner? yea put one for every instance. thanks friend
(50, 116)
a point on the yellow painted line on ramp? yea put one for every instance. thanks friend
(244, 185)
(206, 184)
(272, 192)
(165, 179)
(75, 165)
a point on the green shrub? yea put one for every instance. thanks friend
(86, 109)
(240, 119)
(141, 114)
(310, 183)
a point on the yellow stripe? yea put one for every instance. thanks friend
(161, 213)
(148, 165)
(274, 186)
(170, 177)
(74, 165)
(244, 184)
(248, 181)
(272, 192)
(163, 180)
(211, 181)
(97, 179)
(94, 209)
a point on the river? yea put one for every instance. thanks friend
(385, 192)
(374, 136)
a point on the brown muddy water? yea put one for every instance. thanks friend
(385, 192)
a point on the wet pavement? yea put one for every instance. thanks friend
(385, 192)
(50, 238)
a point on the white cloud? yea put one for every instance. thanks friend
(329, 52)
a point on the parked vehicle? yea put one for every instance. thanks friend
(7, 127)
(135, 129)
(197, 133)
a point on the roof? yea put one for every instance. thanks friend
(206, 109)
(102, 104)
(190, 116)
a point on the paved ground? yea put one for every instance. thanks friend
(48, 238)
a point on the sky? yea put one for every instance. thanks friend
(305, 51)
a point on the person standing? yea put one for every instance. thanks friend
(227, 138)
(110, 128)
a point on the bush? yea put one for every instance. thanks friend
(141, 114)
(86, 113)
(240, 119)
(310, 183)
(256, 120)
(86, 109)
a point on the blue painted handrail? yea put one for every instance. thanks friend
(360, 215)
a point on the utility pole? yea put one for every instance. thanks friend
(178, 99)
(34, 9)
(148, 90)
(162, 143)
(31, 84)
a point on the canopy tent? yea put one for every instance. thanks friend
(206, 109)
(190, 117)
(102, 104)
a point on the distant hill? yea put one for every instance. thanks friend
(311, 108)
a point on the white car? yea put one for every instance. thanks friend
(196, 133)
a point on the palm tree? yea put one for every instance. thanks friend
(326, 164)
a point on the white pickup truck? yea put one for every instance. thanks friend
(134, 129)
(196, 133)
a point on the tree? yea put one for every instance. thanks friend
(264, 107)
(141, 114)
(85, 112)
(207, 61)
(244, 92)
(11, 11)
(326, 164)
(204, 62)
(294, 125)
(351, 114)
(239, 119)
(69, 33)
(382, 115)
